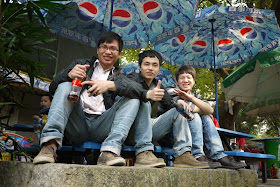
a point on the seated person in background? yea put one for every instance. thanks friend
(95, 116)
(40, 120)
(171, 121)
(202, 126)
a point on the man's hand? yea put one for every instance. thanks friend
(79, 71)
(156, 94)
(99, 87)
(186, 107)
(35, 117)
(183, 95)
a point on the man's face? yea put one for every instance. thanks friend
(149, 68)
(185, 82)
(108, 54)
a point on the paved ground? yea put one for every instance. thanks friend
(269, 183)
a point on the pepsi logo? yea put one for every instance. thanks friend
(152, 10)
(254, 19)
(225, 44)
(178, 40)
(248, 33)
(121, 18)
(86, 11)
(199, 46)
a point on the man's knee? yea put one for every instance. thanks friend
(132, 102)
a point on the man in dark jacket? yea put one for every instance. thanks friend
(171, 121)
(95, 116)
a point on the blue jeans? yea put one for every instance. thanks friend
(111, 127)
(202, 127)
(173, 121)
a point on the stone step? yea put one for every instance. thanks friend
(59, 175)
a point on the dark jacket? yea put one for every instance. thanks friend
(124, 86)
(166, 101)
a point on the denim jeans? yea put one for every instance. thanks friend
(140, 134)
(111, 127)
(202, 127)
(173, 121)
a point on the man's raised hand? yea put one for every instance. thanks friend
(156, 94)
(79, 71)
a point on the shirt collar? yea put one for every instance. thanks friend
(97, 63)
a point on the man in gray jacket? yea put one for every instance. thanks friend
(95, 116)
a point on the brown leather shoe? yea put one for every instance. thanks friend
(148, 159)
(186, 160)
(230, 163)
(47, 153)
(110, 159)
(212, 164)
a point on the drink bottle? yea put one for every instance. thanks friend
(75, 90)
(187, 115)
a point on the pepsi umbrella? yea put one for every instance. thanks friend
(258, 78)
(223, 36)
(164, 75)
(137, 21)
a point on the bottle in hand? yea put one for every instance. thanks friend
(75, 90)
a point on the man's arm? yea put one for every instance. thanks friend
(129, 88)
(201, 106)
(155, 94)
(63, 76)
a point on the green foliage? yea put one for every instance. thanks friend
(205, 84)
(131, 55)
(260, 127)
(21, 39)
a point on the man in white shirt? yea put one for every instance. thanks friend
(95, 116)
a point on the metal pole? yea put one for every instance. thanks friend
(215, 74)
(112, 9)
(57, 57)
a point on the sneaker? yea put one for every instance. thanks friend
(148, 159)
(47, 153)
(186, 160)
(230, 163)
(110, 159)
(212, 164)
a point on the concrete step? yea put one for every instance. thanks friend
(59, 175)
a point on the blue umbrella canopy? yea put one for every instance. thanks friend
(235, 33)
(222, 36)
(166, 76)
(137, 21)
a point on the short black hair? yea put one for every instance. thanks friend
(185, 69)
(48, 95)
(149, 53)
(109, 37)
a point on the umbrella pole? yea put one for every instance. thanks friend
(215, 74)
(57, 57)
(112, 8)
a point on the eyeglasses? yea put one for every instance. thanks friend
(185, 77)
(104, 48)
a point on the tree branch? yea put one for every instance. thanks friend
(229, 2)
(214, 2)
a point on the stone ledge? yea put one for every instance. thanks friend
(60, 175)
